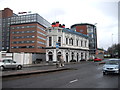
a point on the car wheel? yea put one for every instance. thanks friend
(2, 68)
(19, 67)
(104, 73)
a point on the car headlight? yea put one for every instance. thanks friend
(116, 67)
(103, 67)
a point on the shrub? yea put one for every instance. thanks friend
(90, 60)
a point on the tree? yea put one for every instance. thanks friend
(119, 50)
(114, 50)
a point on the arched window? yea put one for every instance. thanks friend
(50, 56)
(71, 41)
(81, 56)
(58, 55)
(77, 57)
(50, 53)
(66, 57)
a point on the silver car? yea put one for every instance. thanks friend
(9, 64)
(111, 66)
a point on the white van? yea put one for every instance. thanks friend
(111, 66)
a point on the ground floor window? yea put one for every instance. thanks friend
(58, 55)
(66, 57)
(81, 56)
(50, 56)
(77, 57)
(72, 55)
(86, 56)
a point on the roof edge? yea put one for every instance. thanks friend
(80, 24)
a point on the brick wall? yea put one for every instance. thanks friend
(82, 29)
(35, 39)
(7, 12)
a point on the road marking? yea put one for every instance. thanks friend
(73, 80)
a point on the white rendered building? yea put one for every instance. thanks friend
(71, 45)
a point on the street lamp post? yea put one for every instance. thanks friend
(112, 38)
(112, 43)
(95, 24)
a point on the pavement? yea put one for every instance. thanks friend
(45, 68)
(40, 65)
(29, 72)
(45, 64)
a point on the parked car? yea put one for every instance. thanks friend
(97, 59)
(111, 66)
(9, 64)
(103, 61)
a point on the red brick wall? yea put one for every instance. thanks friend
(82, 29)
(7, 12)
(34, 50)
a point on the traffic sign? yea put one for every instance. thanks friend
(57, 45)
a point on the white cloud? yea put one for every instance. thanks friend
(69, 12)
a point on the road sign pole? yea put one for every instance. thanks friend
(57, 48)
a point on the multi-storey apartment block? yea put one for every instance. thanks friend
(5, 16)
(22, 33)
(89, 30)
(28, 33)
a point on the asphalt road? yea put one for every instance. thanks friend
(82, 75)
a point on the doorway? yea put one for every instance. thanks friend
(50, 56)
(72, 55)
(77, 57)
(66, 57)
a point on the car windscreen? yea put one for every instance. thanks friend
(113, 62)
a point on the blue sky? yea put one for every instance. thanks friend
(69, 12)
